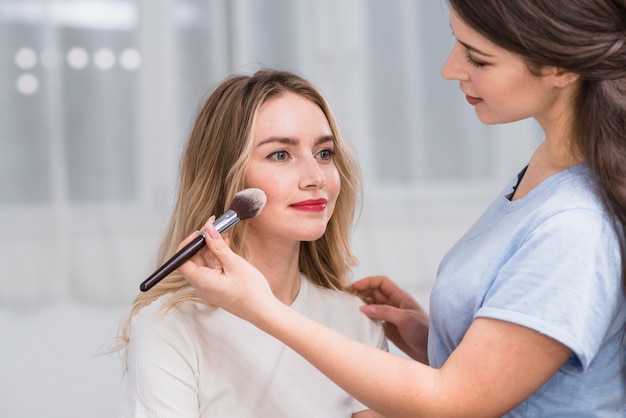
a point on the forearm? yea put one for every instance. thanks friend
(496, 360)
(390, 384)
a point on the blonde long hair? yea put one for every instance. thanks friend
(212, 170)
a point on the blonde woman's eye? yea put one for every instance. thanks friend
(326, 154)
(278, 156)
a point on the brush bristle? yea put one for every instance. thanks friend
(248, 203)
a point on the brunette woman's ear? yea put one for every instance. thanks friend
(561, 77)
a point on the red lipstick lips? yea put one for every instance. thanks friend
(472, 100)
(313, 205)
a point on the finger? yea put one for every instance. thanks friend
(226, 238)
(380, 284)
(369, 283)
(384, 313)
(374, 296)
(219, 247)
(382, 290)
(210, 260)
(376, 289)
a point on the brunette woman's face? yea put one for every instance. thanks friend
(292, 162)
(496, 81)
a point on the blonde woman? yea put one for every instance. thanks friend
(276, 132)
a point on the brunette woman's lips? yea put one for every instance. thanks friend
(316, 205)
(472, 100)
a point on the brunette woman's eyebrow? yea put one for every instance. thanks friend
(475, 50)
(469, 47)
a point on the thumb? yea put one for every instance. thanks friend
(217, 245)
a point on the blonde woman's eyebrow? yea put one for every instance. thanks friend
(325, 138)
(291, 141)
(278, 139)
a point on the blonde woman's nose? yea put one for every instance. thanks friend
(311, 174)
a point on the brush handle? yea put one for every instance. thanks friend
(222, 224)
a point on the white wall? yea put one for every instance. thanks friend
(71, 269)
(51, 364)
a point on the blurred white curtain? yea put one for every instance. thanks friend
(97, 97)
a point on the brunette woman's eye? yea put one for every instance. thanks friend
(473, 62)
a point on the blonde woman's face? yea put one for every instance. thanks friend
(292, 162)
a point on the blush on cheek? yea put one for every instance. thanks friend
(333, 184)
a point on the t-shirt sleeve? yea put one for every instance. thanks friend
(564, 281)
(161, 380)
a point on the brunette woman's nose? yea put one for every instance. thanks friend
(453, 68)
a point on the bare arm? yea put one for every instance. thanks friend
(496, 361)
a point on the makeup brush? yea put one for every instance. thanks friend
(247, 203)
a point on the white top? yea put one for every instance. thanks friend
(199, 361)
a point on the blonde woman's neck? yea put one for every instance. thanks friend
(279, 264)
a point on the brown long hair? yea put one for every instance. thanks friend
(586, 37)
(213, 169)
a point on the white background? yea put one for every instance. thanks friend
(96, 99)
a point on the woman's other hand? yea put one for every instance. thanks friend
(405, 321)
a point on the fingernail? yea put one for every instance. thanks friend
(211, 231)
(368, 309)
(210, 221)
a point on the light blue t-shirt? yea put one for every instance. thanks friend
(548, 261)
